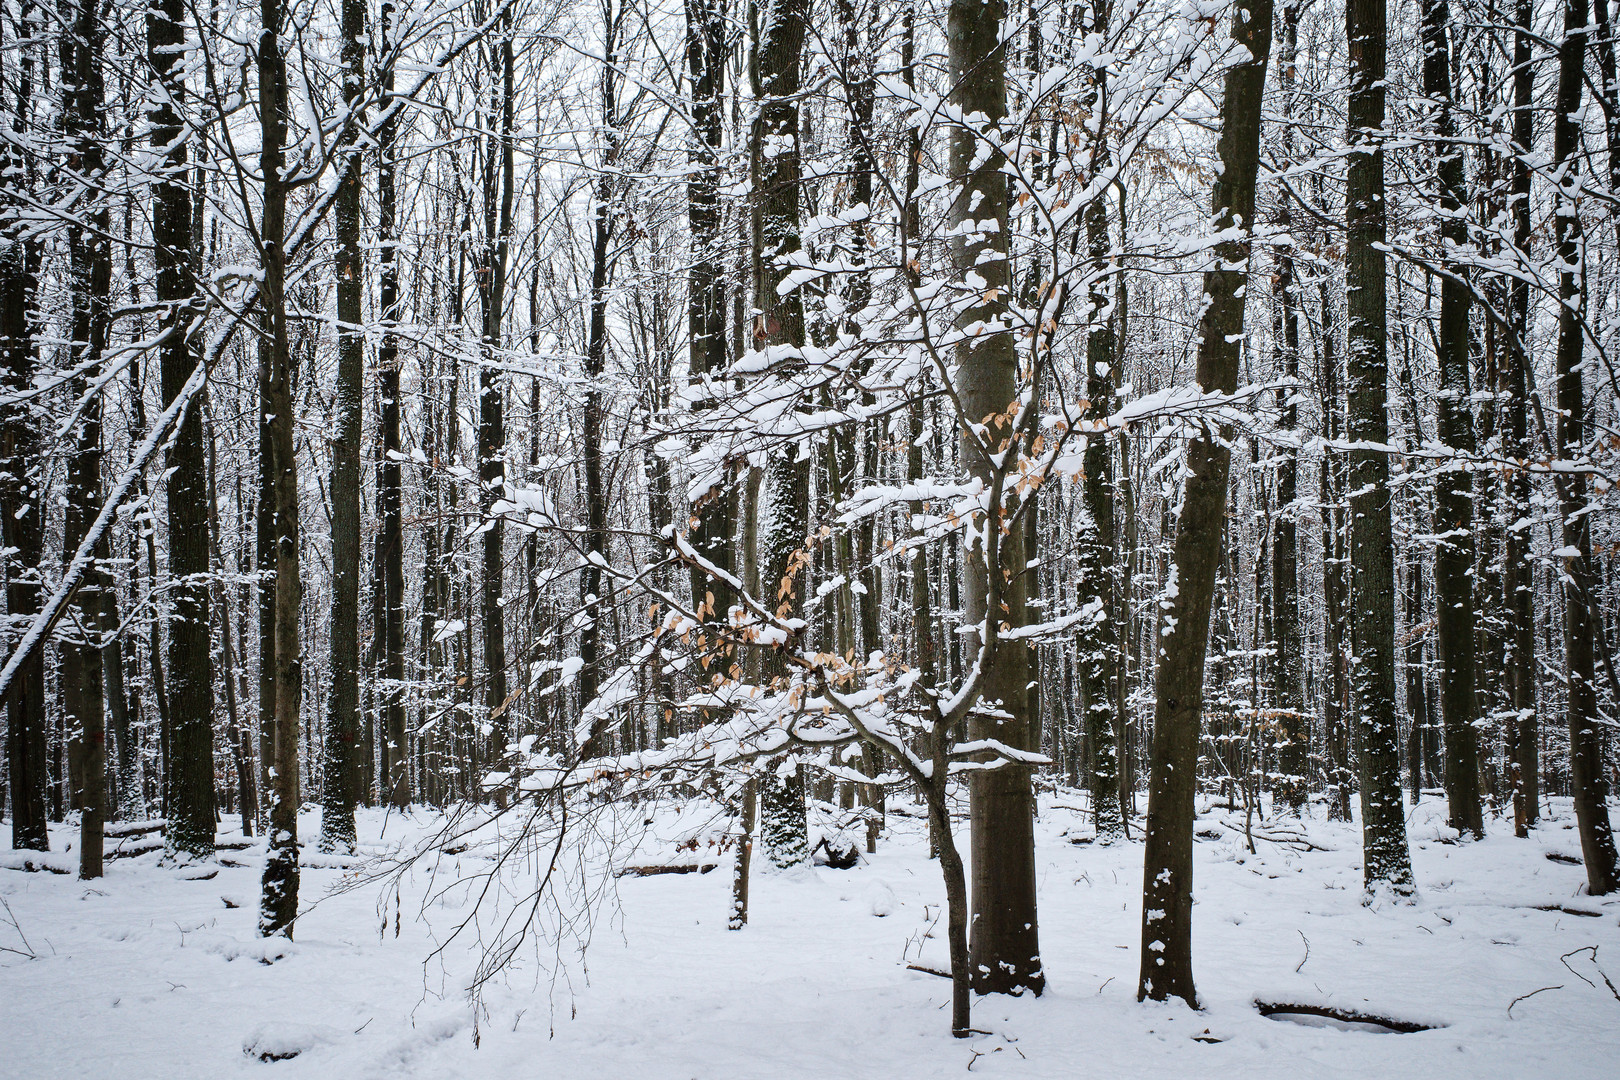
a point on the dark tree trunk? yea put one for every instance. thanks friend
(706, 52)
(278, 906)
(1167, 896)
(1386, 859)
(1587, 782)
(1101, 670)
(22, 526)
(1454, 503)
(1524, 736)
(189, 740)
(1292, 739)
(343, 715)
(388, 597)
(492, 388)
(91, 270)
(785, 566)
(596, 495)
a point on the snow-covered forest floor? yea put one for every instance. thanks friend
(150, 973)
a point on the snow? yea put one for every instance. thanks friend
(146, 974)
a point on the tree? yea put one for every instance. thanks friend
(1454, 506)
(1179, 691)
(91, 271)
(22, 527)
(189, 742)
(1006, 940)
(1386, 861)
(278, 906)
(779, 332)
(1587, 782)
(343, 718)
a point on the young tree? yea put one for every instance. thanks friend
(1005, 935)
(343, 717)
(1386, 861)
(278, 906)
(776, 69)
(1454, 497)
(189, 742)
(1183, 637)
(1587, 782)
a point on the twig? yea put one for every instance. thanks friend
(1601, 974)
(1531, 994)
(27, 950)
(1307, 942)
(926, 970)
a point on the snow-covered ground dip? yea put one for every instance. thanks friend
(156, 971)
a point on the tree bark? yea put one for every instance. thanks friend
(394, 781)
(1587, 782)
(492, 388)
(779, 321)
(1005, 945)
(1291, 723)
(91, 271)
(1524, 737)
(343, 715)
(278, 907)
(1454, 503)
(1387, 863)
(189, 740)
(1167, 897)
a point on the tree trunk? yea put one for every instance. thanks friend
(593, 414)
(706, 51)
(1454, 504)
(343, 715)
(1292, 724)
(1167, 897)
(278, 906)
(1006, 956)
(189, 740)
(492, 389)
(785, 567)
(1100, 643)
(394, 779)
(1523, 735)
(1587, 782)
(91, 272)
(1387, 863)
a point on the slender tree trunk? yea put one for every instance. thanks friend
(492, 389)
(1100, 644)
(343, 716)
(388, 597)
(91, 271)
(1292, 738)
(779, 321)
(22, 527)
(1167, 896)
(1520, 585)
(236, 735)
(1387, 863)
(1005, 945)
(278, 906)
(1454, 503)
(596, 496)
(706, 51)
(1587, 782)
(189, 742)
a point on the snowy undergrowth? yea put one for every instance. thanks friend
(152, 973)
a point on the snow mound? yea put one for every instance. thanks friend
(280, 1041)
(881, 899)
(264, 950)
